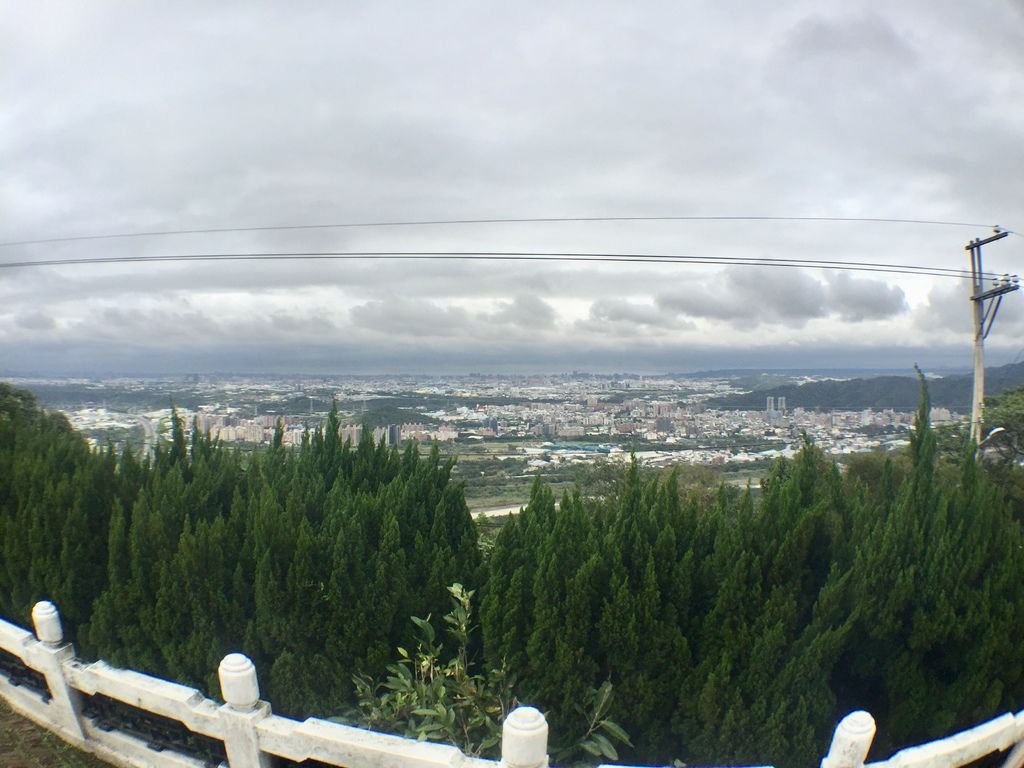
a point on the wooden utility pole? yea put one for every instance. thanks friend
(985, 306)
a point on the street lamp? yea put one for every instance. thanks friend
(978, 452)
(991, 434)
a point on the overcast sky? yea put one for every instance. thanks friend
(120, 117)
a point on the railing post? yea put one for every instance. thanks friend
(524, 739)
(50, 655)
(1016, 757)
(851, 741)
(243, 709)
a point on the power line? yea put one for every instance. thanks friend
(459, 222)
(509, 256)
(620, 258)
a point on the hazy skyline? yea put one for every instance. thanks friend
(126, 118)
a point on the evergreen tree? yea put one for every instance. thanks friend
(730, 630)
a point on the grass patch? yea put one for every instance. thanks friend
(23, 744)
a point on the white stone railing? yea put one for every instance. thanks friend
(92, 705)
(853, 736)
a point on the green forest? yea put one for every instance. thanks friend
(709, 627)
(879, 392)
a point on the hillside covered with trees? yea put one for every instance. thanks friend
(730, 632)
(901, 393)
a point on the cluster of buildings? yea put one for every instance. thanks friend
(663, 417)
(230, 428)
(259, 430)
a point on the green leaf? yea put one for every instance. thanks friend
(425, 627)
(489, 742)
(616, 731)
(605, 746)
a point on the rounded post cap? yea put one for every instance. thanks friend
(238, 683)
(524, 738)
(859, 723)
(46, 619)
(851, 741)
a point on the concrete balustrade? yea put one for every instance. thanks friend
(253, 737)
(962, 748)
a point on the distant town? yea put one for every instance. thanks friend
(558, 418)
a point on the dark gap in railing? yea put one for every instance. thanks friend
(158, 732)
(311, 763)
(19, 674)
(993, 760)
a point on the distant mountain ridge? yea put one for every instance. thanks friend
(843, 373)
(879, 392)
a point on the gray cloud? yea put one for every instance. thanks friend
(741, 295)
(204, 116)
(850, 40)
(295, 323)
(404, 317)
(783, 294)
(701, 300)
(949, 310)
(525, 311)
(35, 321)
(630, 322)
(454, 356)
(855, 299)
(618, 310)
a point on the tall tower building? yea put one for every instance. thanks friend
(770, 407)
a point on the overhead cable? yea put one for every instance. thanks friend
(554, 256)
(461, 222)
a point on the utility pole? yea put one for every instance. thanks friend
(985, 305)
